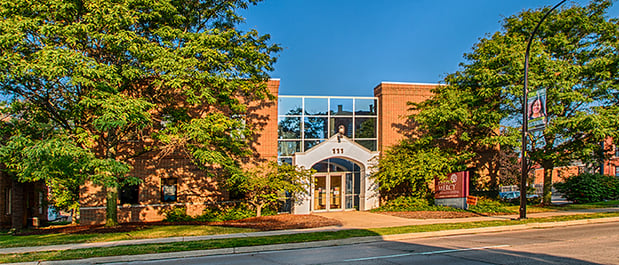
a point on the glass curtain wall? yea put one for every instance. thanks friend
(305, 121)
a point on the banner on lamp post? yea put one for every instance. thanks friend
(536, 118)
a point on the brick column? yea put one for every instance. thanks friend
(393, 109)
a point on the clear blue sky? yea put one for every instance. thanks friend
(347, 47)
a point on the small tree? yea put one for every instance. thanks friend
(262, 184)
(409, 167)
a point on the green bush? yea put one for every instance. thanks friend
(236, 212)
(408, 204)
(177, 215)
(485, 205)
(585, 188)
(217, 213)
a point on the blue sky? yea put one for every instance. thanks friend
(347, 47)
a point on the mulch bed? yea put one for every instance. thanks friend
(432, 214)
(439, 214)
(264, 223)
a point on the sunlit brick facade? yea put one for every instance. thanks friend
(372, 124)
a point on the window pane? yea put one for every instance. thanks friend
(345, 123)
(288, 148)
(310, 144)
(129, 194)
(369, 144)
(316, 106)
(322, 166)
(316, 128)
(289, 128)
(285, 160)
(168, 190)
(365, 106)
(365, 128)
(341, 106)
(289, 106)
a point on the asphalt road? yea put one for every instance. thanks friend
(581, 244)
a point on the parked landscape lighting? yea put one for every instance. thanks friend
(523, 160)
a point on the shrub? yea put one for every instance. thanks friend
(585, 188)
(217, 213)
(485, 205)
(177, 214)
(405, 203)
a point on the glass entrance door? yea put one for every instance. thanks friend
(328, 192)
(320, 193)
(335, 192)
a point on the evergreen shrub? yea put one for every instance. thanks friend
(588, 187)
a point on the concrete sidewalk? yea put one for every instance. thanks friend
(364, 220)
(349, 220)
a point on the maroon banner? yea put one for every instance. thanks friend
(455, 186)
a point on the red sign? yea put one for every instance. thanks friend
(455, 186)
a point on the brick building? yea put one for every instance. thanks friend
(21, 204)
(174, 181)
(610, 166)
(340, 137)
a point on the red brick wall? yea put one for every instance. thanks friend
(195, 189)
(612, 164)
(393, 109)
(5, 184)
(557, 174)
(263, 116)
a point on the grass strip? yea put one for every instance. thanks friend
(9, 241)
(280, 239)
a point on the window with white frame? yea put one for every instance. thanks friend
(306, 121)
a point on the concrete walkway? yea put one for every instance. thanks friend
(349, 220)
(364, 220)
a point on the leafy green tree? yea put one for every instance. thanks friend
(409, 168)
(101, 75)
(262, 184)
(573, 57)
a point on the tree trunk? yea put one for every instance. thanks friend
(73, 220)
(111, 217)
(547, 194)
(259, 210)
(111, 193)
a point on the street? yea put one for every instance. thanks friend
(581, 244)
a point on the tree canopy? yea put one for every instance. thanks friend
(99, 75)
(264, 184)
(478, 109)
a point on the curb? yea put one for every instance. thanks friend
(19, 250)
(316, 244)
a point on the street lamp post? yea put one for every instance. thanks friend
(523, 160)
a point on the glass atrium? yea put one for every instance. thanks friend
(305, 121)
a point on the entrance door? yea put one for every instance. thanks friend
(328, 192)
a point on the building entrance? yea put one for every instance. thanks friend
(328, 191)
(336, 186)
(342, 177)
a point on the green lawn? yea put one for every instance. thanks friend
(566, 207)
(7, 241)
(253, 241)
